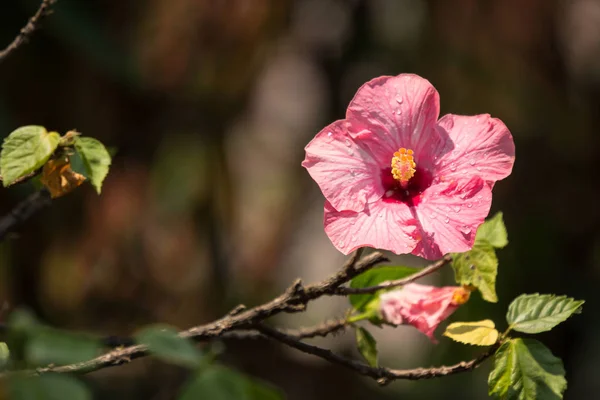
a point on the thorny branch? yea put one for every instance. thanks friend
(243, 323)
(32, 25)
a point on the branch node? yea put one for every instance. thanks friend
(384, 381)
(296, 289)
(237, 310)
(293, 308)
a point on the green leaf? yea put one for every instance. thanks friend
(535, 313)
(493, 232)
(219, 383)
(478, 267)
(374, 277)
(41, 345)
(4, 354)
(524, 369)
(47, 387)
(165, 343)
(367, 346)
(92, 160)
(24, 151)
(480, 333)
(46, 346)
(263, 391)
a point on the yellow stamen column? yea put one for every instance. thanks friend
(403, 166)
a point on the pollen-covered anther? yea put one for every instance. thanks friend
(403, 165)
(461, 296)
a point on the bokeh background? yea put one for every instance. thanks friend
(209, 104)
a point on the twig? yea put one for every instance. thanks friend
(344, 291)
(382, 375)
(31, 26)
(294, 299)
(23, 211)
(323, 329)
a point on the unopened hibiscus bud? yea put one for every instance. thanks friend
(421, 306)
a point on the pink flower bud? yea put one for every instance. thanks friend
(421, 306)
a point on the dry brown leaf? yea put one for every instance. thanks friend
(59, 178)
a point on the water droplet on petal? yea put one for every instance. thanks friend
(465, 229)
(472, 162)
(329, 134)
(447, 220)
(398, 111)
(478, 168)
(399, 99)
(352, 172)
(348, 143)
(469, 205)
(341, 243)
(453, 167)
(389, 193)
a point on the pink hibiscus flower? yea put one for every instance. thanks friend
(421, 306)
(397, 178)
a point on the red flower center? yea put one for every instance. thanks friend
(409, 192)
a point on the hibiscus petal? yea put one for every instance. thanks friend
(483, 146)
(344, 170)
(393, 112)
(382, 225)
(449, 214)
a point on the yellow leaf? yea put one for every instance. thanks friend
(59, 178)
(480, 333)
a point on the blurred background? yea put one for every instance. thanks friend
(210, 103)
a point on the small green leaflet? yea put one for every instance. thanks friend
(165, 343)
(374, 277)
(25, 150)
(479, 266)
(47, 387)
(220, 383)
(367, 346)
(493, 231)
(92, 160)
(535, 313)
(4, 354)
(480, 333)
(524, 369)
